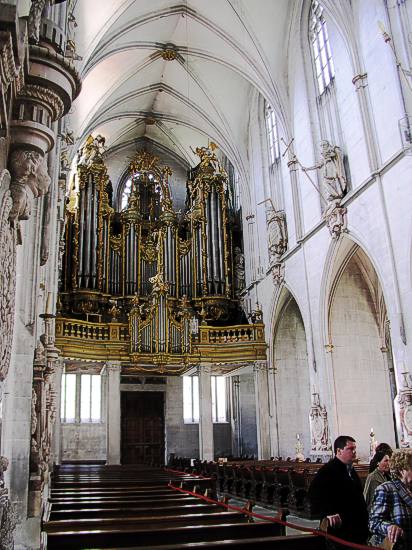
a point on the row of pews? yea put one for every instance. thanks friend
(276, 484)
(130, 507)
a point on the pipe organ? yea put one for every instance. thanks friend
(157, 270)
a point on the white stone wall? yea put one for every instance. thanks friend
(379, 222)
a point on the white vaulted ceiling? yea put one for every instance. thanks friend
(226, 49)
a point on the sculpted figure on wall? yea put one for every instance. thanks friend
(29, 180)
(36, 10)
(334, 186)
(277, 233)
(319, 427)
(239, 268)
(8, 244)
(7, 514)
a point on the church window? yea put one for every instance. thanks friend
(126, 194)
(272, 134)
(219, 408)
(191, 399)
(68, 398)
(81, 398)
(90, 401)
(322, 55)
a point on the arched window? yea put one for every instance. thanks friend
(126, 194)
(321, 51)
(272, 134)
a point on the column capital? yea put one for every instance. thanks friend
(260, 366)
(204, 368)
(113, 366)
(360, 81)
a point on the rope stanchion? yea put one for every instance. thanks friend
(327, 536)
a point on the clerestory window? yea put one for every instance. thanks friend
(321, 51)
(272, 134)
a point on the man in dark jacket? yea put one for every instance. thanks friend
(336, 494)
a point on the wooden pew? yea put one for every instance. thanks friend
(155, 534)
(295, 542)
(115, 507)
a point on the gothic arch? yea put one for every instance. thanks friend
(290, 359)
(357, 343)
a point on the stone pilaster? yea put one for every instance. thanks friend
(235, 416)
(56, 450)
(113, 370)
(206, 443)
(260, 372)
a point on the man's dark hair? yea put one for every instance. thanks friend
(340, 442)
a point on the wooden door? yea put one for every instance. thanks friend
(142, 427)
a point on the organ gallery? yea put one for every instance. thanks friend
(205, 245)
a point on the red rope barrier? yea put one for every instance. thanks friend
(277, 520)
(184, 473)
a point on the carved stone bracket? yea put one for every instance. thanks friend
(30, 180)
(278, 273)
(336, 219)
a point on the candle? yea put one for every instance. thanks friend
(49, 303)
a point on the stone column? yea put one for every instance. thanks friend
(260, 371)
(56, 451)
(206, 443)
(235, 415)
(113, 412)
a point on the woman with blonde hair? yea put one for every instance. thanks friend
(391, 513)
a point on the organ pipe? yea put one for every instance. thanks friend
(163, 270)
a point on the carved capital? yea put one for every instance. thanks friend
(204, 368)
(29, 180)
(360, 81)
(260, 367)
(113, 367)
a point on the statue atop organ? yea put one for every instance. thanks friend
(154, 270)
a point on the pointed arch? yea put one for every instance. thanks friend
(356, 337)
(292, 380)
